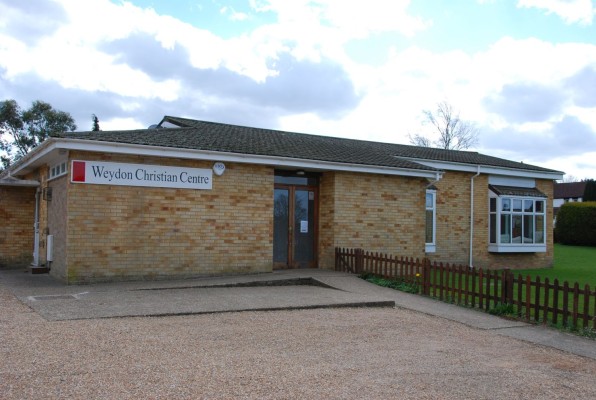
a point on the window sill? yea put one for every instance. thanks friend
(517, 248)
(430, 248)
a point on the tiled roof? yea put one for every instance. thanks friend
(516, 191)
(211, 136)
(569, 190)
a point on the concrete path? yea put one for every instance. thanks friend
(280, 290)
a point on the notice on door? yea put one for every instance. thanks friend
(303, 226)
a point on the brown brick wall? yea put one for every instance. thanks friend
(42, 177)
(453, 225)
(117, 232)
(375, 212)
(17, 207)
(122, 232)
(453, 216)
(327, 220)
(56, 224)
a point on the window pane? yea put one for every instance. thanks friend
(539, 206)
(493, 205)
(506, 228)
(528, 229)
(528, 205)
(517, 205)
(429, 201)
(493, 228)
(281, 212)
(429, 226)
(540, 229)
(63, 168)
(506, 204)
(516, 231)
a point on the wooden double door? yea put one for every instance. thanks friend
(295, 227)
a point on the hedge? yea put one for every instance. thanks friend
(576, 224)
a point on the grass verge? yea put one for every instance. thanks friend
(572, 264)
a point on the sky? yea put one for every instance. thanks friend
(522, 71)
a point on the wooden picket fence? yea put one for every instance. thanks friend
(531, 300)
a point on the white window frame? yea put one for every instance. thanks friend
(58, 170)
(431, 247)
(511, 246)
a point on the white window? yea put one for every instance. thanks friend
(517, 223)
(431, 221)
(58, 170)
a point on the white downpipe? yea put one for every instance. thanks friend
(36, 231)
(472, 218)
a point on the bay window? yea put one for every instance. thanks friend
(517, 220)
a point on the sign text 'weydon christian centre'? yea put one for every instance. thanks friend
(108, 173)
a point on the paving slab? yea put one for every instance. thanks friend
(262, 292)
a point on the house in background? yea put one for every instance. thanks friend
(567, 193)
(189, 198)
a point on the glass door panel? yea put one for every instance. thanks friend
(281, 219)
(304, 233)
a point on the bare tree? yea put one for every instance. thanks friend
(419, 140)
(454, 133)
(570, 178)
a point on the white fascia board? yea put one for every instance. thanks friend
(35, 155)
(172, 152)
(454, 166)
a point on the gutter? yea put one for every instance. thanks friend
(488, 169)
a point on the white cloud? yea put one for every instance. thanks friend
(349, 18)
(571, 11)
(415, 79)
(233, 14)
(120, 124)
(390, 97)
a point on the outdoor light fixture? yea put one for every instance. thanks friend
(219, 168)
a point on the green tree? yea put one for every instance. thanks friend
(590, 190)
(95, 127)
(23, 130)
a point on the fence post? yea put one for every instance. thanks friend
(426, 277)
(506, 287)
(359, 260)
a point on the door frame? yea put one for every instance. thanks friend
(291, 209)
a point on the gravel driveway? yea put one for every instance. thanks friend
(329, 353)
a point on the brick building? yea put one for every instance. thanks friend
(189, 198)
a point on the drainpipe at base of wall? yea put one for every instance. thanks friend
(472, 218)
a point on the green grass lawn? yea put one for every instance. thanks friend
(572, 264)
